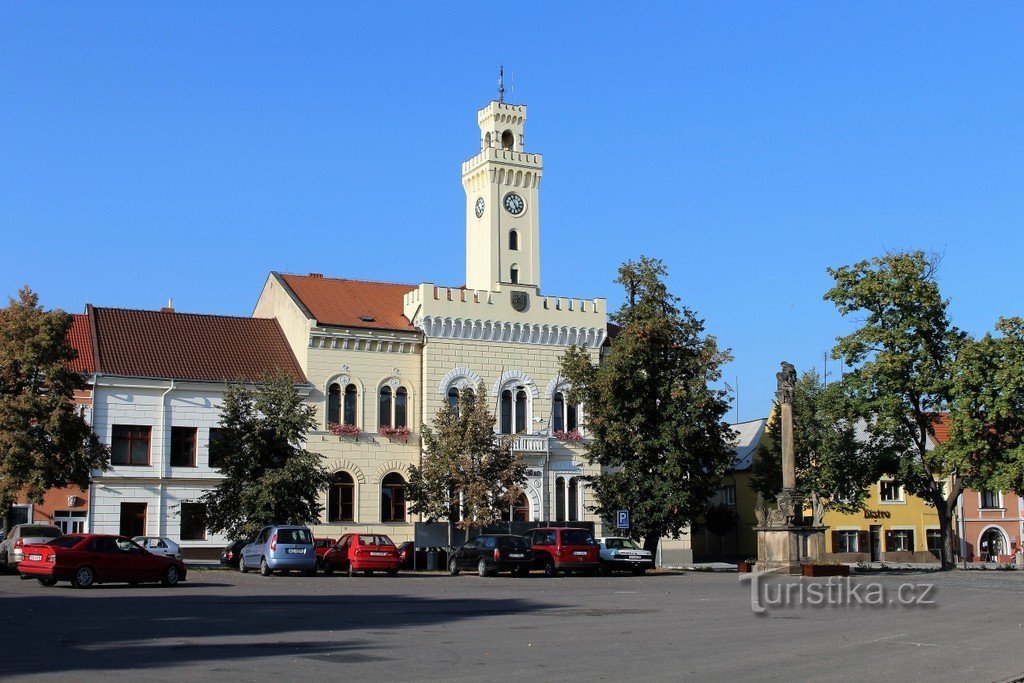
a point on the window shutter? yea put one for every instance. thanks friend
(835, 542)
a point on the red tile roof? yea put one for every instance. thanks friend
(190, 346)
(941, 427)
(351, 303)
(80, 339)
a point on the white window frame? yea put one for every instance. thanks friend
(846, 534)
(900, 495)
(66, 520)
(981, 500)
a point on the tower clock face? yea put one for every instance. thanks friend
(514, 204)
(479, 207)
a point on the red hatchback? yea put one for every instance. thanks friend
(85, 559)
(366, 553)
(568, 550)
(320, 547)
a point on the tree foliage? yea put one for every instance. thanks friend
(466, 476)
(45, 442)
(904, 358)
(655, 422)
(834, 468)
(268, 476)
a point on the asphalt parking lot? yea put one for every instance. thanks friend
(664, 626)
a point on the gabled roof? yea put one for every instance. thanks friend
(190, 346)
(941, 427)
(80, 339)
(748, 438)
(350, 303)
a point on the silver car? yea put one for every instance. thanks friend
(622, 554)
(159, 545)
(25, 534)
(280, 547)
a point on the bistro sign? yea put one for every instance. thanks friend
(877, 514)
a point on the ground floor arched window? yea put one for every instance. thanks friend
(992, 545)
(341, 498)
(392, 498)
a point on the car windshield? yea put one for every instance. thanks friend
(621, 543)
(40, 531)
(577, 537)
(514, 542)
(374, 539)
(126, 546)
(294, 536)
(65, 541)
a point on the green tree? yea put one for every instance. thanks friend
(467, 475)
(268, 476)
(904, 357)
(656, 424)
(834, 468)
(45, 441)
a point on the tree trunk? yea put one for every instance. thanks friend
(651, 544)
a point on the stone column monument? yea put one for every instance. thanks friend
(785, 540)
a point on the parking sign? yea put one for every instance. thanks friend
(623, 519)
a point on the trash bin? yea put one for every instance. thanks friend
(432, 557)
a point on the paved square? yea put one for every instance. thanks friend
(664, 626)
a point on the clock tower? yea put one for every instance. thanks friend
(502, 204)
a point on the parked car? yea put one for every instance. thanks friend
(405, 554)
(280, 547)
(558, 549)
(622, 554)
(365, 553)
(493, 553)
(85, 559)
(321, 546)
(159, 545)
(21, 535)
(232, 552)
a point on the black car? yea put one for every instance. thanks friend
(492, 553)
(229, 556)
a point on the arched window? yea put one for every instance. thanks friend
(513, 240)
(341, 498)
(506, 412)
(334, 404)
(514, 409)
(513, 275)
(521, 425)
(507, 140)
(571, 417)
(453, 400)
(560, 499)
(384, 407)
(350, 404)
(392, 498)
(574, 500)
(521, 509)
(558, 412)
(401, 407)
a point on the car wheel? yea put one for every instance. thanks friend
(481, 569)
(171, 576)
(453, 567)
(264, 567)
(241, 566)
(351, 570)
(328, 568)
(549, 568)
(47, 582)
(83, 578)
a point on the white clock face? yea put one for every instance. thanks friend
(514, 204)
(479, 207)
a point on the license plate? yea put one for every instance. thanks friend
(377, 553)
(516, 555)
(580, 553)
(296, 551)
(35, 558)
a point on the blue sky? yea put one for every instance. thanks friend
(155, 150)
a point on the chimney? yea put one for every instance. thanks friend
(169, 308)
(320, 275)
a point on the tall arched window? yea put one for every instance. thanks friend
(574, 500)
(453, 400)
(334, 404)
(571, 417)
(350, 404)
(402, 407)
(520, 412)
(392, 498)
(558, 412)
(521, 509)
(513, 240)
(384, 407)
(560, 499)
(341, 498)
(513, 275)
(506, 412)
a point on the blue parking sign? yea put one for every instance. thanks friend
(623, 519)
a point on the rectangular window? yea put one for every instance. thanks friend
(990, 500)
(69, 521)
(725, 495)
(130, 445)
(889, 491)
(899, 541)
(933, 537)
(845, 541)
(215, 457)
(193, 522)
(183, 446)
(133, 519)
(20, 514)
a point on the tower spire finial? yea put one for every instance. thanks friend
(501, 82)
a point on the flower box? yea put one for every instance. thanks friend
(825, 570)
(395, 433)
(744, 567)
(573, 435)
(343, 429)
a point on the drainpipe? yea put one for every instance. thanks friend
(165, 464)
(961, 524)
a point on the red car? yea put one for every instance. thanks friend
(563, 549)
(85, 559)
(320, 547)
(366, 553)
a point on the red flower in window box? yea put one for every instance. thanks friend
(395, 433)
(343, 429)
(574, 435)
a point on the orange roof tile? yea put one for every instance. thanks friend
(190, 346)
(941, 427)
(351, 303)
(80, 339)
